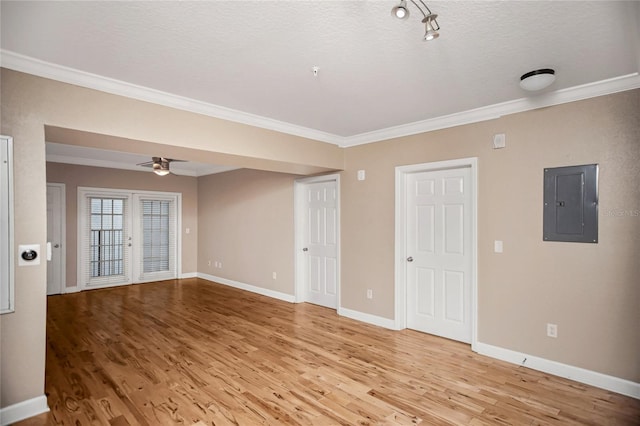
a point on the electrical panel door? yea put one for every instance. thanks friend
(571, 204)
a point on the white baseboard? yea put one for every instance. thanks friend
(189, 275)
(73, 289)
(368, 318)
(248, 287)
(593, 378)
(23, 410)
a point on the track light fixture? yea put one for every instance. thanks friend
(400, 11)
(429, 19)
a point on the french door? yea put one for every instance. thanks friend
(127, 237)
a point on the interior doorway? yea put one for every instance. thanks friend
(317, 245)
(436, 248)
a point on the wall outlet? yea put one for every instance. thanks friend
(209, 263)
(274, 276)
(220, 265)
(369, 293)
(552, 330)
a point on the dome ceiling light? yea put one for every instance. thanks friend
(538, 79)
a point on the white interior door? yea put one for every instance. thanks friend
(56, 238)
(438, 248)
(320, 242)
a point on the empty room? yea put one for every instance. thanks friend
(320, 212)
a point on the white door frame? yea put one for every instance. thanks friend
(130, 194)
(7, 256)
(63, 235)
(400, 238)
(299, 218)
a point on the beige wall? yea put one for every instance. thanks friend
(29, 104)
(245, 221)
(591, 291)
(74, 176)
(22, 346)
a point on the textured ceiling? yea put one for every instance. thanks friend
(375, 72)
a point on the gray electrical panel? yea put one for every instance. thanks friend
(571, 204)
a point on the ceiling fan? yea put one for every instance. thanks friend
(160, 165)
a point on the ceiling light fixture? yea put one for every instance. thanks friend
(431, 25)
(400, 11)
(538, 79)
(161, 166)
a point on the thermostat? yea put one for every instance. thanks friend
(29, 254)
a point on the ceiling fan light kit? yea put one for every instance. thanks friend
(161, 168)
(401, 11)
(537, 79)
(160, 165)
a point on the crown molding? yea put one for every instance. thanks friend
(29, 65)
(44, 69)
(492, 112)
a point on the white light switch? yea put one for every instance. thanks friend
(361, 174)
(499, 141)
(187, 231)
(497, 246)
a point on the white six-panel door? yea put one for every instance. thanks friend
(320, 241)
(438, 239)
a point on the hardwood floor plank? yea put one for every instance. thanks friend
(193, 352)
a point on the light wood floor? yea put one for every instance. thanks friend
(194, 352)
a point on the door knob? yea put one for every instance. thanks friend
(56, 245)
(409, 259)
(305, 249)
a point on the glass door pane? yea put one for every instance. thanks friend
(155, 235)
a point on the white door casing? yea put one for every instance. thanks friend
(436, 254)
(318, 240)
(56, 234)
(7, 258)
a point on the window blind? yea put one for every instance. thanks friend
(158, 226)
